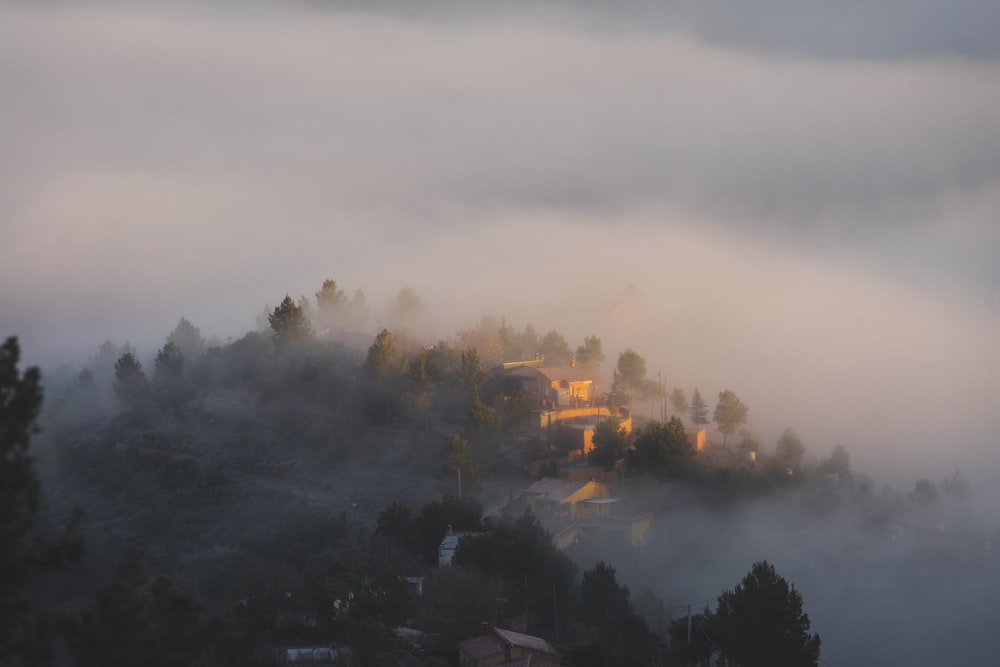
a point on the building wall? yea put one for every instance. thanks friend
(591, 489)
(551, 417)
(697, 439)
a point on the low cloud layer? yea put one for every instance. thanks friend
(806, 218)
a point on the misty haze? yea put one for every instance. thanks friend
(377, 333)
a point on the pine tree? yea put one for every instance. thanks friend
(699, 409)
(289, 322)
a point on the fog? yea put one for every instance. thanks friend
(800, 209)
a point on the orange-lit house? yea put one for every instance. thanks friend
(697, 439)
(550, 496)
(555, 387)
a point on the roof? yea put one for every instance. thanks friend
(310, 654)
(553, 373)
(529, 642)
(554, 488)
(526, 372)
(601, 501)
(528, 661)
(568, 373)
(480, 648)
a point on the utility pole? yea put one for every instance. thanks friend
(689, 625)
(607, 635)
(555, 614)
(525, 603)
(459, 482)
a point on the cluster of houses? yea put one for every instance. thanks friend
(574, 507)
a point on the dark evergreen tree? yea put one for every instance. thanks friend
(625, 638)
(384, 359)
(289, 322)
(131, 385)
(661, 448)
(760, 623)
(24, 636)
(610, 442)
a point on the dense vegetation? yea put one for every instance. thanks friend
(273, 491)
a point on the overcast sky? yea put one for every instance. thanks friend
(806, 203)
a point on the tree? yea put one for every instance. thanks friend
(925, 492)
(419, 380)
(383, 360)
(956, 487)
(20, 402)
(458, 461)
(169, 363)
(482, 419)
(838, 463)
(679, 402)
(306, 307)
(632, 368)
(730, 414)
(660, 447)
(472, 375)
(289, 322)
(590, 354)
(689, 644)
(555, 349)
(405, 309)
(524, 345)
(698, 410)
(761, 623)
(186, 337)
(485, 337)
(601, 594)
(521, 551)
(748, 443)
(331, 305)
(125, 626)
(610, 442)
(168, 372)
(790, 450)
(22, 553)
(454, 602)
(462, 514)
(617, 394)
(626, 637)
(130, 381)
(395, 521)
(357, 310)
